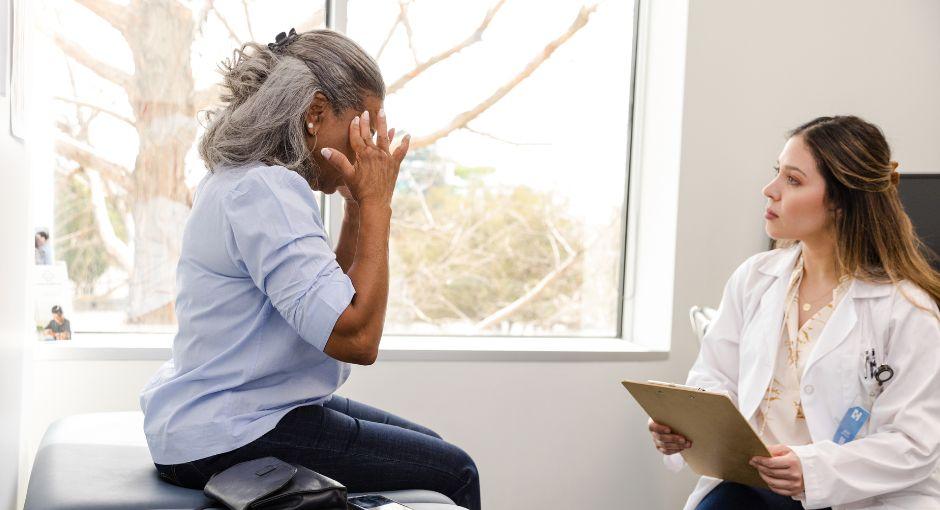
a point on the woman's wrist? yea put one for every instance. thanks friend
(374, 205)
(351, 210)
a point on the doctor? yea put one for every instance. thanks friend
(830, 346)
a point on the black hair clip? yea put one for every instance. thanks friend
(282, 40)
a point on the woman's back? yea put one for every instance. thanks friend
(255, 269)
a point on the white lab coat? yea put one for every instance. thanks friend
(893, 462)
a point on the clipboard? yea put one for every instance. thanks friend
(723, 441)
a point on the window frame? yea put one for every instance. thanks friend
(625, 346)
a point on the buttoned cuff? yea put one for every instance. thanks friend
(812, 491)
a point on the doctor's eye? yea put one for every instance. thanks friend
(776, 169)
(791, 180)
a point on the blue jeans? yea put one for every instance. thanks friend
(364, 448)
(730, 495)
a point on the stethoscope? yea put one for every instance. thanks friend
(881, 373)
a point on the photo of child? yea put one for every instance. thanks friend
(59, 327)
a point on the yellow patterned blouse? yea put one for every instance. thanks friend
(780, 417)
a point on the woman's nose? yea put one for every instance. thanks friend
(770, 191)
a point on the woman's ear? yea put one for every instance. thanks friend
(314, 117)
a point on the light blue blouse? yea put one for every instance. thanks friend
(259, 291)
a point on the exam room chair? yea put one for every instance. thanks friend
(701, 317)
(100, 461)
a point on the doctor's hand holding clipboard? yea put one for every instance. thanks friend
(782, 472)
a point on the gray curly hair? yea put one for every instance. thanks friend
(267, 92)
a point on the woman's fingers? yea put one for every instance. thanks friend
(402, 150)
(365, 128)
(355, 138)
(339, 161)
(381, 130)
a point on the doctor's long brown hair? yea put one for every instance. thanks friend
(875, 237)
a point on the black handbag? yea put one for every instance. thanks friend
(269, 483)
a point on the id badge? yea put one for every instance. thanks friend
(851, 423)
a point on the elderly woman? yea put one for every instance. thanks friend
(269, 317)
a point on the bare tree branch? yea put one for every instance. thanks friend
(406, 296)
(403, 5)
(106, 71)
(556, 255)
(461, 120)
(228, 27)
(461, 234)
(116, 248)
(391, 32)
(422, 200)
(474, 38)
(251, 32)
(503, 140)
(115, 14)
(558, 236)
(451, 306)
(101, 109)
(525, 298)
(71, 237)
(86, 157)
(529, 295)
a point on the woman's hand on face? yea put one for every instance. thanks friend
(783, 472)
(372, 179)
(665, 441)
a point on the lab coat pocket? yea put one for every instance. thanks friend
(870, 389)
(866, 389)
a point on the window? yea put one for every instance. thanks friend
(123, 85)
(509, 215)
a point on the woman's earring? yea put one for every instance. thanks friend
(312, 133)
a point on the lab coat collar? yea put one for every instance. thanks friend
(782, 264)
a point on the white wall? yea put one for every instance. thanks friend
(561, 435)
(15, 252)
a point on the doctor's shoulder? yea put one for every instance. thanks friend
(910, 298)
